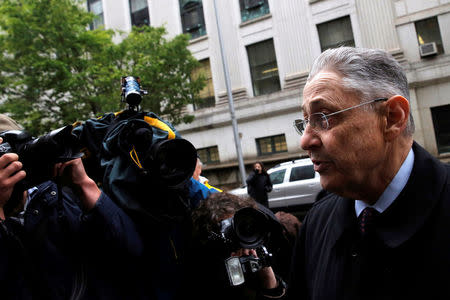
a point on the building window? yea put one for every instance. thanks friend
(207, 94)
(441, 122)
(192, 18)
(252, 9)
(336, 33)
(428, 32)
(209, 155)
(139, 13)
(96, 7)
(263, 68)
(271, 144)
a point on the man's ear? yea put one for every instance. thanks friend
(397, 114)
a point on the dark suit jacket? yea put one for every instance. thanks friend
(409, 258)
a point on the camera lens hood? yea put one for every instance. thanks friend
(251, 227)
(173, 161)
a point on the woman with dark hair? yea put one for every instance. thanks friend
(259, 184)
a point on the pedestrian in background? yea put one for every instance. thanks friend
(259, 184)
(383, 230)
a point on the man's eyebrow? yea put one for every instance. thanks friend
(312, 104)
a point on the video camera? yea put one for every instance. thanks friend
(141, 160)
(249, 228)
(125, 151)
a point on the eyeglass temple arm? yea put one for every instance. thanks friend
(361, 104)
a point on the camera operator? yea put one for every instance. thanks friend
(75, 242)
(208, 254)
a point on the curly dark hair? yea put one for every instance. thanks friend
(218, 207)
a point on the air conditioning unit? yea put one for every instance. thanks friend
(428, 49)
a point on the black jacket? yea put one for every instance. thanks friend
(74, 255)
(14, 283)
(258, 185)
(410, 259)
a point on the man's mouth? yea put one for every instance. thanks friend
(319, 165)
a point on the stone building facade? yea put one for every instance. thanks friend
(269, 47)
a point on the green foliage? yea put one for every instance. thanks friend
(164, 67)
(54, 71)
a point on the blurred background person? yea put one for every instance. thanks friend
(197, 176)
(259, 184)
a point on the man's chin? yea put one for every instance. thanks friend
(330, 184)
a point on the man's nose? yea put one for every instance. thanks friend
(310, 138)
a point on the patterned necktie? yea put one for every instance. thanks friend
(366, 220)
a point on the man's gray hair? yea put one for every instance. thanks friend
(370, 73)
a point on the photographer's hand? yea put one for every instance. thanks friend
(74, 175)
(10, 174)
(266, 274)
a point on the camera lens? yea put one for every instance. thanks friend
(251, 227)
(173, 161)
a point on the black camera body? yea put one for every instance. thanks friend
(39, 155)
(248, 228)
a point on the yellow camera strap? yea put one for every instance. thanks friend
(160, 125)
(135, 158)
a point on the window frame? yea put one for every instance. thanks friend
(207, 159)
(439, 121)
(249, 13)
(349, 43)
(133, 15)
(439, 42)
(188, 7)
(258, 83)
(94, 24)
(272, 143)
(210, 100)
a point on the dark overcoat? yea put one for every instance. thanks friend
(258, 185)
(408, 257)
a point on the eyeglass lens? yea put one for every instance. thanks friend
(316, 120)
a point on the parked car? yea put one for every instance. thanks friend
(294, 183)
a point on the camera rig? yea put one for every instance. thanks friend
(130, 153)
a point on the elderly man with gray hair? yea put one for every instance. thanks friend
(383, 231)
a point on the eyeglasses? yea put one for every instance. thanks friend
(319, 121)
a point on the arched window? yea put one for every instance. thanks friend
(252, 9)
(192, 18)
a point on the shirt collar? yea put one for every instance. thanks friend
(393, 189)
(30, 195)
